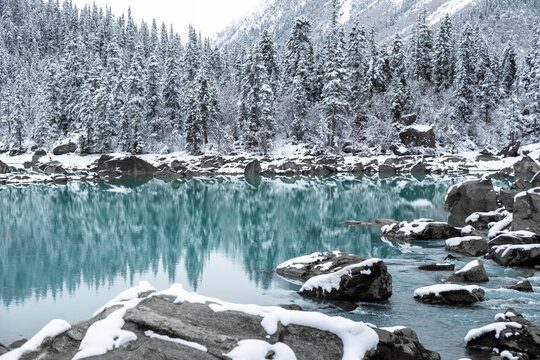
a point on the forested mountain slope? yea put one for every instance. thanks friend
(114, 85)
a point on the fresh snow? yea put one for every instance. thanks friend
(500, 226)
(421, 128)
(440, 288)
(507, 355)
(258, 349)
(469, 266)
(497, 327)
(457, 241)
(306, 259)
(328, 282)
(507, 248)
(393, 329)
(190, 344)
(127, 295)
(52, 329)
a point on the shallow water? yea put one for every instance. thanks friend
(66, 250)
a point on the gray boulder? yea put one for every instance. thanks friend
(319, 263)
(511, 150)
(449, 294)
(468, 245)
(128, 166)
(514, 238)
(3, 350)
(418, 136)
(65, 147)
(527, 211)
(365, 281)
(506, 198)
(178, 166)
(526, 168)
(166, 329)
(53, 167)
(469, 197)
(387, 170)
(481, 220)
(523, 286)
(253, 168)
(515, 255)
(4, 168)
(510, 332)
(472, 272)
(422, 229)
(419, 168)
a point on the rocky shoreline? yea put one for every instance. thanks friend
(62, 166)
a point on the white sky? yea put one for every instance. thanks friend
(208, 16)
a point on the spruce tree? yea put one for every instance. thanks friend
(443, 59)
(465, 78)
(422, 49)
(132, 136)
(508, 68)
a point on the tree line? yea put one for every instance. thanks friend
(118, 86)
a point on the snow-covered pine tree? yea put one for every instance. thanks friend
(486, 83)
(193, 129)
(207, 102)
(335, 96)
(422, 50)
(172, 87)
(132, 136)
(443, 57)
(298, 74)
(15, 118)
(153, 95)
(508, 69)
(464, 92)
(269, 60)
(357, 61)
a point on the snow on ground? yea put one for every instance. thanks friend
(190, 344)
(449, 7)
(258, 349)
(52, 329)
(459, 240)
(497, 327)
(331, 281)
(439, 288)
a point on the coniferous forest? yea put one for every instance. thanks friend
(115, 85)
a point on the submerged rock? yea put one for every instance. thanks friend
(468, 245)
(526, 215)
(472, 272)
(515, 255)
(511, 333)
(449, 294)
(437, 267)
(469, 197)
(177, 325)
(523, 286)
(365, 281)
(422, 229)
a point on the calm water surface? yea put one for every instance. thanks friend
(66, 250)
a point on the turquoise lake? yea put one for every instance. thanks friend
(67, 250)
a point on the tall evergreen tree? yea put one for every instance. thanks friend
(465, 78)
(443, 59)
(422, 50)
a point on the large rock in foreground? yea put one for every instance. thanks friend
(511, 333)
(177, 325)
(515, 255)
(422, 229)
(470, 197)
(368, 280)
(525, 169)
(127, 165)
(319, 263)
(449, 294)
(527, 211)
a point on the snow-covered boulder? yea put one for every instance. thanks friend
(253, 168)
(468, 245)
(514, 238)
(482, 220)
(176, 324)
(4, 168)
(449, 294)
(472, 272)
(511, 150)
(368, 280)
(65, 146)
(515, 255)
(128, 165)
(421, 229)
(418, 136)
(318, 263)
(471, 196)
(510, 332)
(527, 211)
(522, 285)
(419, 168)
